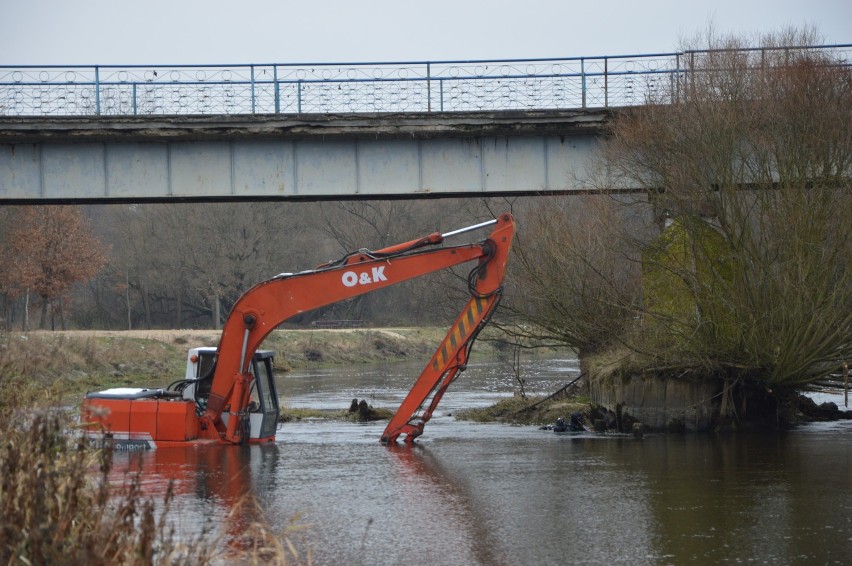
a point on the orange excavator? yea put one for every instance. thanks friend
(228, 394)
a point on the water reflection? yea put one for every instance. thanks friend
(419, 466)
(214, 485)
(768, 497)
(471, 493)
(551, 499)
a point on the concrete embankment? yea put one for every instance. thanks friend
(659, 404)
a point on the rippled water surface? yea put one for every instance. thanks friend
(498, 494)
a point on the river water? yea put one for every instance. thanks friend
(497, 494)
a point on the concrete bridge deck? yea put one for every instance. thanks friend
(305, 156)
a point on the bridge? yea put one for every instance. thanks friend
(320, 130)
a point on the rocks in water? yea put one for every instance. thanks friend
(575, 424)
(361, 411)
(827, 411)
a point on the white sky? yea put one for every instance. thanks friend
(88, 32)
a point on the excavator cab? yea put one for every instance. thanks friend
(263, 399)
(263, 409)
(142, 419)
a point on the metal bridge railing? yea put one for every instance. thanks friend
(439, 86)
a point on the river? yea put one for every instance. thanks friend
(496, 494)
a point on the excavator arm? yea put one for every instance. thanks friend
(448, 361)
(261, 309)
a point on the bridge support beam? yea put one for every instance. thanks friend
(105, 160)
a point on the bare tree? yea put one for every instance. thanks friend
(9, 289)
(573, 279)
(242, 244)
(54, 248)
(753, 162)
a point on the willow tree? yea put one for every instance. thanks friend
(754, 145)
(738, 266)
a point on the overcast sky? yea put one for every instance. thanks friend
(267, 31)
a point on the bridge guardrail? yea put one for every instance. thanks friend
(514, 84)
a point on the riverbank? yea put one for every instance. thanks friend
(60, 366)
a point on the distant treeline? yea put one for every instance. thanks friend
(184, 265)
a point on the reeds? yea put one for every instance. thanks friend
(60, 503)
(56, 504)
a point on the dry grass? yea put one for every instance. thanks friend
(302, 348)
(59, 506)
(59, 503)
(517, 410)
(62, 366)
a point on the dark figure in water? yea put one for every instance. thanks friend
(576, 423)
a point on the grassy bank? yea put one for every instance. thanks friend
(58, 367)
(529, 411)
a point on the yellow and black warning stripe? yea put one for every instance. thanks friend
(459, 333)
